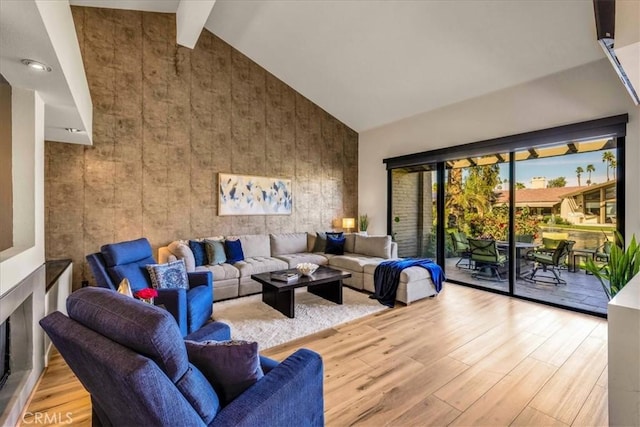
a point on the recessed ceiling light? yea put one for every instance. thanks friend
(39, 66)
(73, 130)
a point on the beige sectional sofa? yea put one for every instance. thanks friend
(264, 253)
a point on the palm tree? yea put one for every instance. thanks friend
(590, 168)
(579, 172)
(608, 157)
(614, 165)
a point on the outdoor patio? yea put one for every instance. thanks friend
(582, 291)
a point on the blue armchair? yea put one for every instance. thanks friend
(191, 308)
(132, 359)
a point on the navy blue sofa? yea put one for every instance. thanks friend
(132, 359)
(191, 308)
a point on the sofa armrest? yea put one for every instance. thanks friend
(200, 278)
(289, 395)
(174, 301)
(216, 331)
(165, 255)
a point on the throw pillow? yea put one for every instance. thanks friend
(170, 275)
(335, 245)
(199, 252)
(321, 240)
(215, 252)
(124, 288)
(233, 250)
(230, 366)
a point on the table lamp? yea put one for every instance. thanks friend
(348, 223)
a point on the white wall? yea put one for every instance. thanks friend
(27, 254)
(584, 93)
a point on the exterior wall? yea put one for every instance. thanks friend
(167, 120)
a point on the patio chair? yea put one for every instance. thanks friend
(551, 262)
(461, 247)
(485, 254)
(603, 252)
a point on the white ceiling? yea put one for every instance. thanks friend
(369, 63)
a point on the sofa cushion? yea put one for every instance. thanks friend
(255, 245)
(294, 259)
(350, 242)
(377, 246)
(258, 265)
(233, 251)
(182, 251)
(169, 275)
(335, 245)
(199, 253)
(230, 366)
(221, 271)
(216, 253)
(288, 243)
(353, 262)
(411, 274)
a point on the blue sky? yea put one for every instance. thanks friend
(555, 167)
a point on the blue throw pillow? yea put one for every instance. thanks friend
(230, 366)
(233, 249)
(335, 245)
(215, 252)
(199, 252)
(170, 275)
(321, 240)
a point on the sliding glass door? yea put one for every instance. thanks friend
(519, 215)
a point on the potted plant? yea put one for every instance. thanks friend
(619, 269)
(363, 221)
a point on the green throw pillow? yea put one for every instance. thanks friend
(215, 252)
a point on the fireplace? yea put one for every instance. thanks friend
(5, 354)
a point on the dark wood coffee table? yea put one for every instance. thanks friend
(326, 282)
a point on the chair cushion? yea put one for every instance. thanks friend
(233, 251)
(199, 252)
(230, 366)
(136, 273)
(169, 275)
(142, 327)
(215, 252)
(126, 252)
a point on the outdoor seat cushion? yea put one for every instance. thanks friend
(353, 262)
(489, 259)
(543, 258)
(221, 271)
(258, 265)
(294, 259)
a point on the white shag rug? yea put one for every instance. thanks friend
(251, 319)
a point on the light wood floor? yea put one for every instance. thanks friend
(465, 358)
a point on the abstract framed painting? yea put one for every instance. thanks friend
(253, 195)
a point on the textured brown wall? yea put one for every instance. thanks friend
(167, 119)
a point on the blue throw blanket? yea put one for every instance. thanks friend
(386, 278)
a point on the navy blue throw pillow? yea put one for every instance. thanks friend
(335, 245)
(233, 248)
(199, 252)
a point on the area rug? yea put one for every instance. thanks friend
(251, 319)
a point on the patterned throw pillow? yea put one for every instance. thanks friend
(230, 366)
(199, 252)
(215, 252)
(233, 250)
(170, 275)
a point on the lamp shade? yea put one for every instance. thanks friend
(348, 222)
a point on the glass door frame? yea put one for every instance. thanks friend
(609, 127)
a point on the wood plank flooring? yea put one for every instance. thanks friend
(464, 358)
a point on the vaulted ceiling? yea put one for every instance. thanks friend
(370, 63)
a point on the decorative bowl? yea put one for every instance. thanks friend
(307, 268)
